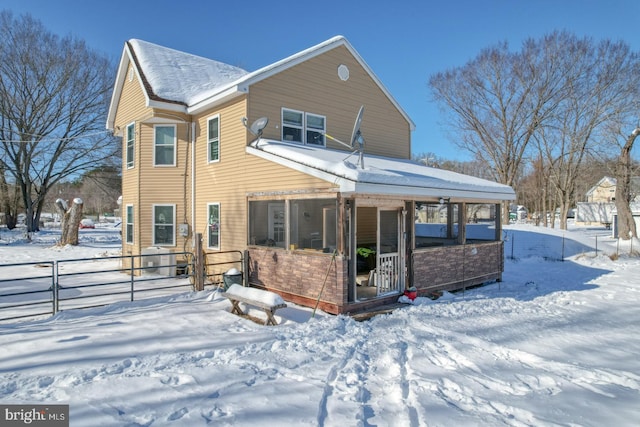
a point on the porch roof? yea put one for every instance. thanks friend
(380, 175)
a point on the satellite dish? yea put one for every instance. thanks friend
(356, 137)
(256, 127)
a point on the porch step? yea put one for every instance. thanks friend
(368, 314)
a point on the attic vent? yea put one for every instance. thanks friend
(131, 74)
(343, 72)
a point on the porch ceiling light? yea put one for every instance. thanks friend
(444, 200)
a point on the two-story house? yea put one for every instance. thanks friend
(305, 195)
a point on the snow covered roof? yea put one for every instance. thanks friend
(380, 175)
(188, 83)
(181, 77)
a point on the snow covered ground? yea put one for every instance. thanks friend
(554, 344)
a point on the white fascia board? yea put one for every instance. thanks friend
(429, 192)
(117, 88)
(219, 98)
(348, 186)
(180, 108)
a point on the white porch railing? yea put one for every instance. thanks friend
(388, 273)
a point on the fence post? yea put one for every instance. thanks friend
(245, 267)
(513, 241)
(132, 269)
(198, 274)
(54, 286)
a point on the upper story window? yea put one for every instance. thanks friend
(164, 153)
(213, 139)
(315, 129)
(131, 145)
(306, 128)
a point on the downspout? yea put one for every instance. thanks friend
(193, 182)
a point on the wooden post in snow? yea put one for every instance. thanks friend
(198, 263)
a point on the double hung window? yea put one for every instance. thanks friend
(131, 145)
(306, 128)
(129, 225)
(213, 139)
(165, 145)
(213, 212)
(164, 225)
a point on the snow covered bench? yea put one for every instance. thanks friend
(268, 301)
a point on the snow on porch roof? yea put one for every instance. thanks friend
(380, 175)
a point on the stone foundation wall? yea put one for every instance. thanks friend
(299, 276)
(454, 267)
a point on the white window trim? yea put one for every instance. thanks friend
(209, 246)
(282, 124)
(303, 128)
(217, 116)
(126, 225)
(323, 130)
(175, 145)
(130, 162)
(153, 224)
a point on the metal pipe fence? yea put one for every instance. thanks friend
(88, 282)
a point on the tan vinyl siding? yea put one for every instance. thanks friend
(314, 87)
(367, 226)
(236, 174)
(167, 185)
(131, 107)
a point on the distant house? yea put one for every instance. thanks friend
(605, 190)
(600, 207)
(320, 211)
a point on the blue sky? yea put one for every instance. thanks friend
(404, 42)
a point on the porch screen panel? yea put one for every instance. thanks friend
(313, 224)
(436, 224)
(267, 223)
(481, 221)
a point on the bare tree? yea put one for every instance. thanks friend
(497, 101)
(54, 95)
(559, 91)
(602, 87)
(626, 223)
(100, 189)
(9, 200)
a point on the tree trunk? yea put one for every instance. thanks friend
(626, 224)
(71, 218)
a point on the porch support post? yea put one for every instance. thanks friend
(498, 222)
(449, 221)
(462, 223)
(352, 259)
